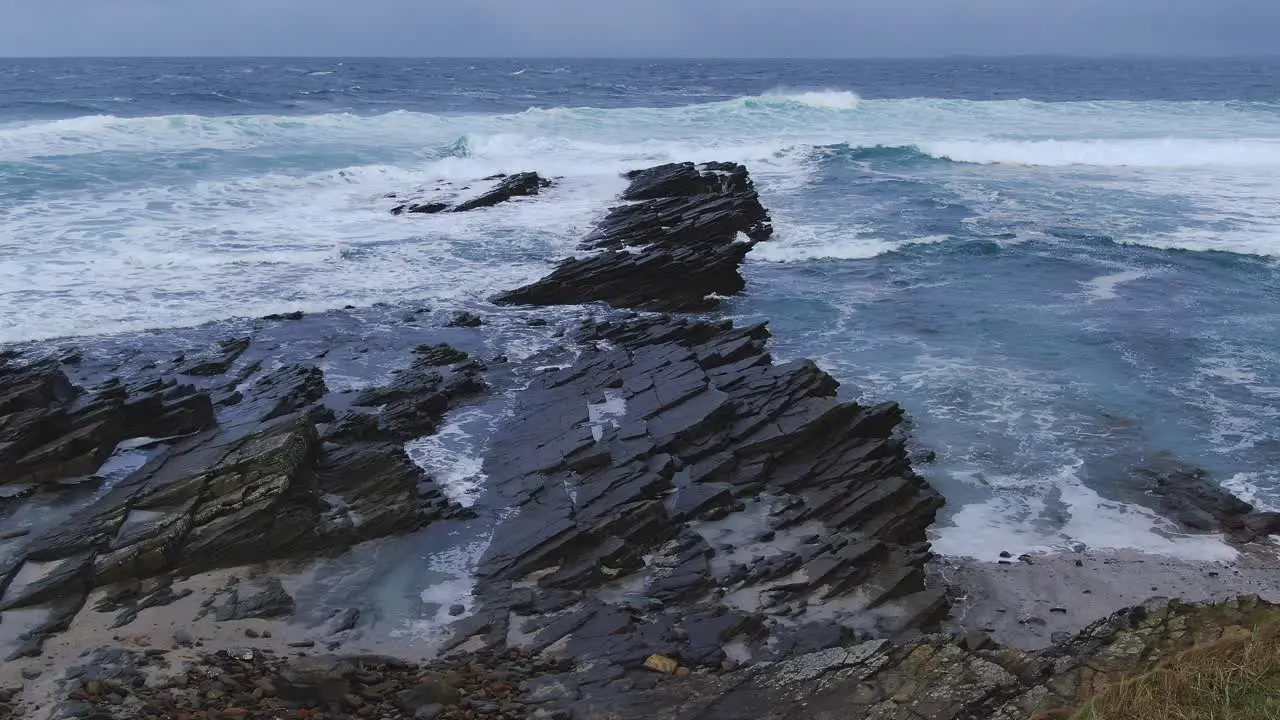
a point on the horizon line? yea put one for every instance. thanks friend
(692, 58)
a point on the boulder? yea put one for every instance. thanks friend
(268, 600)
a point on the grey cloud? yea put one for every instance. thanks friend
(687, 28)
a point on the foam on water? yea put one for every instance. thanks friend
(1117, 152)
(453, 456)
(1104, 287)
(1015, 522)
(209, 217)
(803, 243)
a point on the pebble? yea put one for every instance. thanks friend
(303, 644)
(456, 610)
(184, 638)
(250, 632)
(30, 673)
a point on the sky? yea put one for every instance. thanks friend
(638, 28)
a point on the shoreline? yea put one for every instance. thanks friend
(1029, 604)
(673, 492)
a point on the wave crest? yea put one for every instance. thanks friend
(838, 100)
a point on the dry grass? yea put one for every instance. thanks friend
(1234, 678)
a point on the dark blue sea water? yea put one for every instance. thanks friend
(1063, 268)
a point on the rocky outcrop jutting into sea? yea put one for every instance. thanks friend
(679, 243)
(675, 490)
(670, 523)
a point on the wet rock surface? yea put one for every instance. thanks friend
(671, 523)
(523, 184)
(1191, 497)
(681, 242)
(239, 466)
(675, 492)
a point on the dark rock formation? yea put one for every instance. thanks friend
(51, 430)
(1191, 497)
(509, 186)
(681, 243)
(648, 472)
(415, 402)
(267, 601)
(518, 185)
(216, 362)
(253, 484)
(465, 320)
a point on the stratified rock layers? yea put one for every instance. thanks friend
(678, 245)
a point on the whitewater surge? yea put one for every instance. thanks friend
(1056, 291)
(237, 207)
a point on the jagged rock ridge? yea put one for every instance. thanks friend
(675, 491)
(679, 244)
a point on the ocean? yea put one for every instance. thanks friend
(1064, 269)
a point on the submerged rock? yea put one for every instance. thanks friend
(414, 404)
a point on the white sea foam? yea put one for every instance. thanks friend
(1104, 287)
(819, 99)
(794, 244)
(452, 456)
(1255, 489)
(1113, 152)
(1016, 522)
(263, 229)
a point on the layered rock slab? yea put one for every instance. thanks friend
(678, 244)
(523, 184)
(268, 475)
(675, 491)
